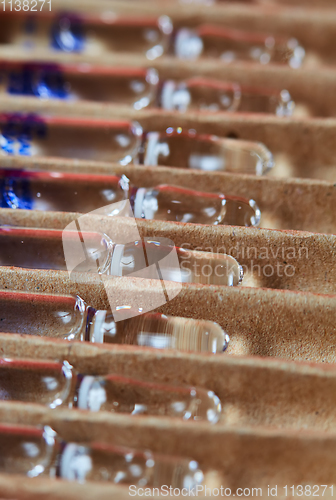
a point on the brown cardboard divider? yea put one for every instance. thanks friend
(301, 147)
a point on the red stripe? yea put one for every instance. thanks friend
(40, 297)
(30, 364)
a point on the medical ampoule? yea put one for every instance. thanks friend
(208, 94)
(187, 149)
(194, 266)
(158, 331)
(34, 451)
(172, 203)
(135, 87)
(69, 318)
(56, 384)
(87, 34)
(62, 192)
(83, 139)
(235, 45)
(50, 191)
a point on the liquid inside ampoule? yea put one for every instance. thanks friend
(130, 86)
(214, 95)
(60, 192)
(234, 45)
(194, 267)
(160, 332)
(172, 203)
(97, 140)
(27, 450)
(43, 382)
(88, 34)
(186, 149)
(44, 249)
(103, 462)
(56, 384)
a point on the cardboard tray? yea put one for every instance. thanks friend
(277, 379)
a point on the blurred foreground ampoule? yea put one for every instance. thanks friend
(207, 94)
(69, 318)
(57, 384)
(35, 451)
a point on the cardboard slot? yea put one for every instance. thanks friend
(301, 148)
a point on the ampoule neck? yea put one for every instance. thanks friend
(100, 325)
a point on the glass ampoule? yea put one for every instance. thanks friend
(205, 268)
(231, 45)
(87, 34)
(83, 139)
(208, 94)
(135, 87)
(50, 191)
(187, 149)
(69, 318)
(172, 203)
(34, 451)
(56, 384)
(62, 192)
(44, 249)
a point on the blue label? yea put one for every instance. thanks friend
(44, 81)
(67, 34)
(15, 192)
(17, 133)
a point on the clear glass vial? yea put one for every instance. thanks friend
(35, 451)
(56, 384)
(187, 149)
(236, 45)
(69, 318)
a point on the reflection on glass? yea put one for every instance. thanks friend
(231, 45)
(187, 149)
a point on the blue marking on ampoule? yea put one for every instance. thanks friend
(15, 193)
(18, 131)
(67, 34)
